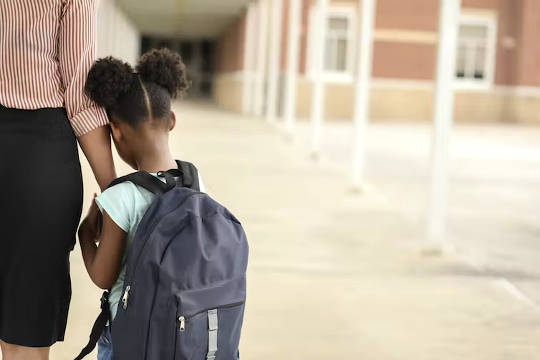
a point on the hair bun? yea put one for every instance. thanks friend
(165, 68)
(108, 79)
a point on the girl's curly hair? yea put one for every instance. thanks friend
(159, 76)
(165, 68)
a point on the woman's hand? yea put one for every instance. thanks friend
(90, 224)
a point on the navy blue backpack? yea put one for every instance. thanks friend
(185, 285)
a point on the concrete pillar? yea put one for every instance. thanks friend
(363, 82)
(274, 60)
(262, 36)
(249, 57)
(442, 118)
(318, 92)
(293, 42)
(116, 35)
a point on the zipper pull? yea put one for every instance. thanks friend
(182, 321)
(125, 297)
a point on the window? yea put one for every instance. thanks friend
(337, 43)
(339, 51)
(476, 51)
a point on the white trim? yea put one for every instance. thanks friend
(402, 84)
(379, 82)
(338, 78)
(479, 12)
(487, 19)
(519, 91)
(390, 83)
(405, 84)
(406, 36)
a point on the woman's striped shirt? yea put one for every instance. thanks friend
(46, 50)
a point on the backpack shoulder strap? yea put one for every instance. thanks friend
(190, 175)
(144, 180)
(99, 325)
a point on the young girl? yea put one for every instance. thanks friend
(139, 107)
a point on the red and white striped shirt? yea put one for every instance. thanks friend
(46, 50)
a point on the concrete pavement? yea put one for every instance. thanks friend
(336, 275)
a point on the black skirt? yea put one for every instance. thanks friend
(40, 207)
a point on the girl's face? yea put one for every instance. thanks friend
(123, 136)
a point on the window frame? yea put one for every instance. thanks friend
(346, 12)
(490, 22)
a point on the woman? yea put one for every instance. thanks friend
(46, 50)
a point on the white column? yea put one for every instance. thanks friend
(262, 36)
(363, 82)
(442, 118)
(293, 42)
(318, 93)
(116, 35)
(274, 60)
(249, 45)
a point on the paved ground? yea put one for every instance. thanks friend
(336, 275)
(494, 200)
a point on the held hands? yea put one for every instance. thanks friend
(91, 221)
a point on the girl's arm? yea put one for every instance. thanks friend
(102, 262)
(96, 146)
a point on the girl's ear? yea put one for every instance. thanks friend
(115, 131)
(173, 121)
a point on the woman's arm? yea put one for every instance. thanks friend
(96, 146)
(76, 54)
(102, 262)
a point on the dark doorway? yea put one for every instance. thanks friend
(199, 57)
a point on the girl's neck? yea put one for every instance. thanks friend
(156, 158)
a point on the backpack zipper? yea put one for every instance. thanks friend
(182, 319)
(125, 297)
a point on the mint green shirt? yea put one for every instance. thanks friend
(126, 204)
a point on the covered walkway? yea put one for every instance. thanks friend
(338, 275)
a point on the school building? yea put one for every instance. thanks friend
(242, 53)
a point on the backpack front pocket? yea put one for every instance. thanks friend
(210, 334)
(191, 337)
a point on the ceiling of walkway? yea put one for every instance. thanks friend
(183, 18)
